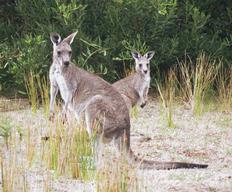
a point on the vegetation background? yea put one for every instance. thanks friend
(189, 121)
(108, 30)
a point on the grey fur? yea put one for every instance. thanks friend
(87, 93)
(135, 87)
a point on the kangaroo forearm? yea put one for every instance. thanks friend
(53, 92)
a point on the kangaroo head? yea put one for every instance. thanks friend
(62, 51)
(142, 63)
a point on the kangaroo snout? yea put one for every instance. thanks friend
(143, 104)
(145, 71)
(66, 63)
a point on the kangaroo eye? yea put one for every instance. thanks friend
(58, 53)
(70, 52)
(147, 64)
(140, 65)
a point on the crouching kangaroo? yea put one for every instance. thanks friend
(135, 87)
(87, 93)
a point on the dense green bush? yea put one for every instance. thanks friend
(25, 55)
(108, 31)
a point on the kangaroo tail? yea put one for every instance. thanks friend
(170, 165)
(148, 164)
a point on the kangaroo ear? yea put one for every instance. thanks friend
(149, 55)
(55, 38)
(135, 54)
(70, 38)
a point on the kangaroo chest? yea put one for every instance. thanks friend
(61, 84)
(143, 85)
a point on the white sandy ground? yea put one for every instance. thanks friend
(206, 139)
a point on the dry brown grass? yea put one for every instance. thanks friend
(115, 174)
(224, 88)
(167, 95)
(13, 167)
(195, 80)
(206, 140)
(63, 150)
(40, 155)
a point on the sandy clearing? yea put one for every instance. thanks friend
(206, 139)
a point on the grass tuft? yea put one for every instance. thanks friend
(134, 112)
(224, 88)
(116, 174)
(30, 82)
(166, 91)
(69, 150)
(5, 130)
(195, 81)
(38, 92)
(13, 174)
(43, 90)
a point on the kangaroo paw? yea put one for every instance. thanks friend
(64, 118)
(52, 116)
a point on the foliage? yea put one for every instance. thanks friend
(108, 31)
(5, 130)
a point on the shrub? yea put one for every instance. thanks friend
(108, 30)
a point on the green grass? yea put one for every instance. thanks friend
(5, 130)
(12, 166)
(167, 93)
(194, 81)
(32, 92)
(64, 158)
(116, 175)
(38, 92)
(224, 88)
(43, 89)
(69, 150)
(134, 112)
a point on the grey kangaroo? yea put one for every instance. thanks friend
(89, 94)
(135, 87)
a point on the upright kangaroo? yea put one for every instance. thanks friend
(135, 87)
(87, 93)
